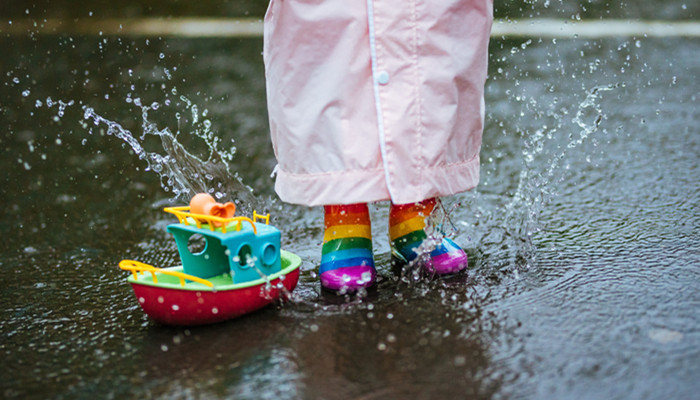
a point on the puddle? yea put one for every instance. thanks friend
(582, 236)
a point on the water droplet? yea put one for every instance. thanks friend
(161, 56)
(26, 93)
(665, 335)
(30, 250)
(391, 338)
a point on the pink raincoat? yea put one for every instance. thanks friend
(375, 100)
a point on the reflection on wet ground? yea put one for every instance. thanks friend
(583, 235)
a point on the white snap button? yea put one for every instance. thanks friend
(383, 78)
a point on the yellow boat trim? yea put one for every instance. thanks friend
(290, 263)
(347, 231)
(184, 215)
(257, 216)
(135, 267)
(406, 227)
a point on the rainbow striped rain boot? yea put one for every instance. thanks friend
(407, 234)
(347, 263)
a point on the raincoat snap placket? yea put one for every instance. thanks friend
(375, 100)
(380, 77)
(398, 99)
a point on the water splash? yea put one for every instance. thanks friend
(508, 229)
(536, 188)
(181, 172)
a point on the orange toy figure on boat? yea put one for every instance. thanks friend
(240, 269)
(204, 204)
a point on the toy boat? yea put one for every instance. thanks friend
(240, 269)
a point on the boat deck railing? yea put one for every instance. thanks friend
(185, 217)
(138, 267)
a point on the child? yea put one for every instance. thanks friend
(376, 100)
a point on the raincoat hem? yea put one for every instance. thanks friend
(366, 186)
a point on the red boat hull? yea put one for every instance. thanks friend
(190, 307)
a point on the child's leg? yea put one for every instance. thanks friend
(406, 231)
(347, 260)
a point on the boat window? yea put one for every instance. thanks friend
(197, 244)
(269, 254)
(244, 255)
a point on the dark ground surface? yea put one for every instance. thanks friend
(584, 235)
(645, 9)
